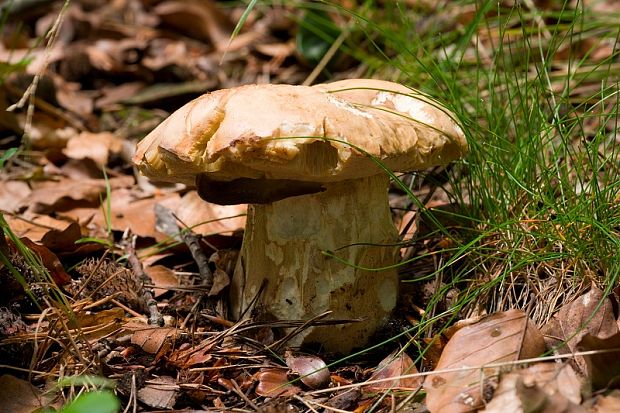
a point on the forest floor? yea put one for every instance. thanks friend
(509, 297)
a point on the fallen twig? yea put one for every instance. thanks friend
(155, 317)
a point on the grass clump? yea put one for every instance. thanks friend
(537, 89)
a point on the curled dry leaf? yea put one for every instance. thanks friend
(55, 234)
(393, 366)
(501, 337)
(602, 368)
(201, 20)
(221, 280)
(47, 133)
(112, 94)
(433, 347)
(555, 386)
(275, 383)
(607, 404)
(71, 97)
(345, 400)
(312, 370)
(126, 211)
(49, 261)
(592, 314)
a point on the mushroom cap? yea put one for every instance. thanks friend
(301, 133)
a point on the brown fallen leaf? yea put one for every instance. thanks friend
(162, 277)
(12, 194)
(555, 386)
(198, 354)
(112, 94)
(152, 339)
(126, 211)
(592, 313)
(312, 370)
(66, 194)
(49, 260)
(111, 55)
(19, 396)
(221, 280)
(201, 20)
(103, 321)
(275, 383)
(433, 347)
(71, 97)
(609, 403)
(206, 218)
(603, 367)
(95, 146)
(56, 234)
(398, 363)
(501, 337)
(160, 392)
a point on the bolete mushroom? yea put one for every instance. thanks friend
(302, 157)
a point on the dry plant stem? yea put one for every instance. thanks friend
(29, 94)
(155, 317)
(284, 244)
(193, 243)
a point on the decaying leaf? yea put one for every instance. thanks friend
(55, 233)
(19, 396)
(98, 324)
(206, 218)
(609, 403)
(126, 211)
(602, 367)
(11, 195)
(162, 277)
(501, 337)
(67, 194)
(398, 363)
(554, 386)
(95, 146)
(592, 314)
(275, 383)
(312, 370)
(152, 339)
(344, 400)
(201, 20)
(161, 392)
(192, 356)
(433, 347)
(221, 280)
(49, 260)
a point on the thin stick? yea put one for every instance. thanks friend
(243, 396)
(468, 368)
(155, 317)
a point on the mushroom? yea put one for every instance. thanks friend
(302, 157)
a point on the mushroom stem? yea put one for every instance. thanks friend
(284, 244)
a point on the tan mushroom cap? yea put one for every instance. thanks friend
(237, 133)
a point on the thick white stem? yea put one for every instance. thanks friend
(284, 243)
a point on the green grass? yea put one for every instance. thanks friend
(539, 192)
